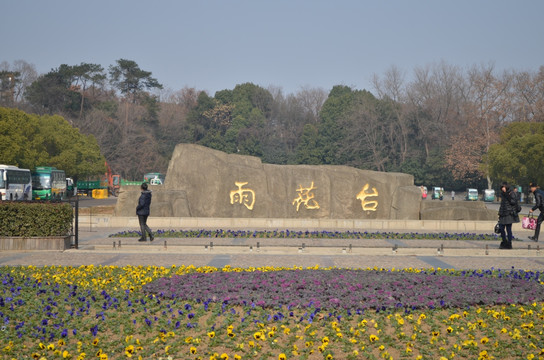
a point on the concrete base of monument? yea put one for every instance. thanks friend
(162, 223)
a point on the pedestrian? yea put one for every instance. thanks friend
(453, 195)
(508, 214)
(142, 210)
(517, 193)
(539, 204)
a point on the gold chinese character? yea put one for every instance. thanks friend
(243, 196)
(368, 205)
(306, 197)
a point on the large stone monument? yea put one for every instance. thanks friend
(202, 182)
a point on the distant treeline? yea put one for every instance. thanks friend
(439, 126)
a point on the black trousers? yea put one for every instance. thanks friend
(506, 229)
(143, 226)
(539, 221)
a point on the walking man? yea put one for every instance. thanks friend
(142, 210)
(539, 204)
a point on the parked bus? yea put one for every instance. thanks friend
(15, 183)
(48, 183)
(472, 195)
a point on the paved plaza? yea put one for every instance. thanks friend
(97, 248)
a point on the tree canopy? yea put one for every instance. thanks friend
(130, 80)
(440, 124)
(519, 155)
(28, 141)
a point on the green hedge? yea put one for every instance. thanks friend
(35, 218)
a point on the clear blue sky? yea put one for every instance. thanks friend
(214, 45)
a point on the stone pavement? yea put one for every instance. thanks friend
(96, 248)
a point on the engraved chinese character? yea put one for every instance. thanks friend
(242, 196)
(368, 205)
(306, 197)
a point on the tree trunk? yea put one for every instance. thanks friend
(81, 106)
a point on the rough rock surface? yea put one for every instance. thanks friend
(456, 210)
(203, 182)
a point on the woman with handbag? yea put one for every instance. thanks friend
(539, 204)
(508, 215)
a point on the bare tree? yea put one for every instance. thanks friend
(485, 109)
(366, 142)
(392, 88)
(186, 97)
(27, 75)
(175, 107)
(434, 96)
(311, 100)
(14, 79)
(528, 96)
(87, 76)
(286, 122)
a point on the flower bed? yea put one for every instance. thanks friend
(287, 234)
(355, 290)
(108, 312)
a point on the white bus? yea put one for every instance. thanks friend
(15, 183)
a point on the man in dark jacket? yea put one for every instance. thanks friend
(539, 204)
(142, 210)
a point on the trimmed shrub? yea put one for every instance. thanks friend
(35, 218)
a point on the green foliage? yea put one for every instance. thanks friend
(233, 121)
(519, 156)
(414, 166)
(52, 92)
(409, 127)
(35, 219)
(338, 122)
(88, 74)
(308, 151)
(198, 123)
(19, 134)
(63, 89)
(330, 133)
(28, 141)
(152, 105)
(130, 79)
(109, 107)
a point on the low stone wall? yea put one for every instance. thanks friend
(162, 223)
(52, 243)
